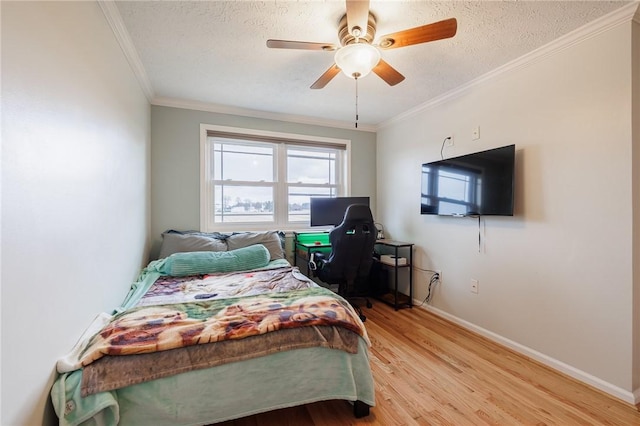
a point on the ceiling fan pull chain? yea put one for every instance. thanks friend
(356, 102)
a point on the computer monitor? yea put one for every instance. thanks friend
(329, 211)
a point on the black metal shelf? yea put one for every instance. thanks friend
(394, 297)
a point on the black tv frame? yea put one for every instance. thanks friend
(495, 168)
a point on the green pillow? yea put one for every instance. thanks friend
(207, 262)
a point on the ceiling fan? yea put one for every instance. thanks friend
(357, 55)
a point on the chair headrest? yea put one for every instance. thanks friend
(358, 212)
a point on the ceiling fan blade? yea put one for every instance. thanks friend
(326, 77)
(388, 73)
(423, 34)
(357, 17)
(304, 45)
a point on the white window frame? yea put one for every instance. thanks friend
(207, 223)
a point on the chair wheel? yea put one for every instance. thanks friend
(369, 305)
(362, 318)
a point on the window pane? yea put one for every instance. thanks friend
(298, 201)
(258, 182)
(243, 162)
(311, 166)
(243, 204)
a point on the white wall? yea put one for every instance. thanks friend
(635, 49)
(557, 277)
(75, 189)
(175, 162)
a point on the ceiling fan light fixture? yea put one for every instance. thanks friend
(357, 60)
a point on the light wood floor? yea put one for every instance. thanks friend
(428, 371)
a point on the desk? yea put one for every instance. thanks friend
(305, 243)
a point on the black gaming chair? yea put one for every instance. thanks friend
(351, 257)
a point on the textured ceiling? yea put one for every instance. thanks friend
(214, 52)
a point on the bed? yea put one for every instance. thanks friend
(214, 334)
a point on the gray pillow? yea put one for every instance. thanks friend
(270, 239)
(180, 243)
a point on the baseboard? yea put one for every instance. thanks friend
(632, 398)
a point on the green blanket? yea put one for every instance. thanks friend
(73, 409)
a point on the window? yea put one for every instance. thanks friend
(254, 180)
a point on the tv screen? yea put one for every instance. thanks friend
(327, 211)
(470, 185)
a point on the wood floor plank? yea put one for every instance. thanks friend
(429, 371)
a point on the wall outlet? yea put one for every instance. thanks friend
(475, 133)
(474, 286)
(450, 141)
(439, 272)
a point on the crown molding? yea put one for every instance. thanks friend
(114, 19)
(624, 14)
(629, 12)
(252, 113)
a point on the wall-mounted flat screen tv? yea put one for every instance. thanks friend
(476, 184)
(326, 211)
